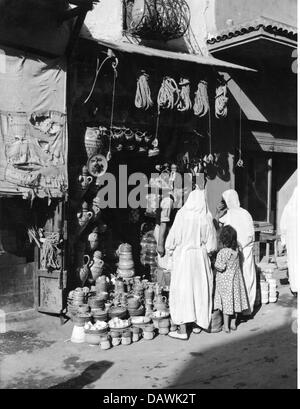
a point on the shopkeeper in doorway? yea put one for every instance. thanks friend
(169, 201)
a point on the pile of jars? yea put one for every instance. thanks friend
(268, 285)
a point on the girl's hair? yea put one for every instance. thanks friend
(228, 237)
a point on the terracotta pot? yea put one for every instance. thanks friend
(93, 141)
(133, 302)
(92, 339)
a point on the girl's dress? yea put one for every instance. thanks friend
(230, 291)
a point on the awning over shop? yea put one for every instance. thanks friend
(153, 52)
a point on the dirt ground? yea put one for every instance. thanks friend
(262, 353)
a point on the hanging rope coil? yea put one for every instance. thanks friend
(143, 98)
(201, 103)
(49, 252)
(168, 94)
(184, 103)
(221, 101)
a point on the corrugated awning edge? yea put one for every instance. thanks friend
(153, 52)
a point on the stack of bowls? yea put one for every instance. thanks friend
(99, 314)
(75, 300)
(164, 326)
(272, 290)
(117, 312)
(264, 288)
(96, 302)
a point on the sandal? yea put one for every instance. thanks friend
(175, 334)
(197, 330)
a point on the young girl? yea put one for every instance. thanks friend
(230, 291)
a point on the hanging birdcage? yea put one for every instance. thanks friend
(159, 19)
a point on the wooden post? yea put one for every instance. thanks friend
(269, 202)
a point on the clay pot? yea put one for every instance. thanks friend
(164, 323)
(84, 215)
(119, 286)
(105, 342)
(85, 179)
(96, 265)
(92, 337)
(163, 331)
(133, 302)
(160, 303)
(93, 140)
(125, 257)
(101, 284)
(83, 274)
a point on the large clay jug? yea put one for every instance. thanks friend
(84, 271)
(96, 265)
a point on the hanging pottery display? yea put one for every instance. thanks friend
(85, 179)
(97, 165)
(94, 238)
(96, 265)
(84, 271)
(94, 141)
(84, 215)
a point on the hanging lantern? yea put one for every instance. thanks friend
(159, 19)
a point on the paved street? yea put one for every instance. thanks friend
(261, 354)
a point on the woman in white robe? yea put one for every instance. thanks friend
(288, 230)
(190, 240)
(241, 220)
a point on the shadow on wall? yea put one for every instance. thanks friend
(264, 361)
(91, 374)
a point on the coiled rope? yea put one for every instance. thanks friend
(221, 101)
(184, 103)
(168, 95)
(143, 98)
(49, 252)
(201, 103)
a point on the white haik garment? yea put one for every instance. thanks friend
(288, 230)
(190, 239)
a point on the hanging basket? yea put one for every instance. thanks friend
(159, 19)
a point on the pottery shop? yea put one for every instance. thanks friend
(147, 111)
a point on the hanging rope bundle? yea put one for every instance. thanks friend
(221, 101)
(143, 98)
(201, 103)
(168, 94)
(49, 252)
(240, 162)
(184, 103)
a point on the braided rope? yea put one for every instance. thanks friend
(49, 252)
(168, 95)
(201, 103)
(143, 98)
(184, 103)
(221, 101)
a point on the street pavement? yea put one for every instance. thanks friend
(261, 354)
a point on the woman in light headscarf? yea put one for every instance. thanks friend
(288, 230)
(241, 220)
(190, 240)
